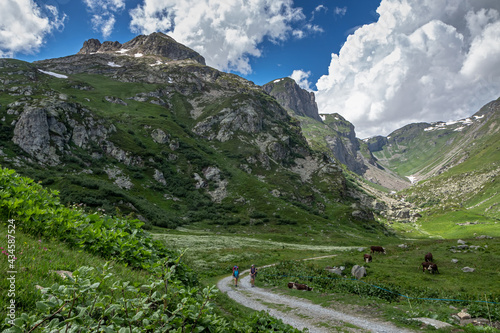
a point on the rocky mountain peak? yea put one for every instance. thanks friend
(156, 44)
(293, 98)
(90, 46)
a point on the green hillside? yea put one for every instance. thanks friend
(457, 170)
(208, 149)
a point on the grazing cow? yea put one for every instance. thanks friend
(374, 249)
(299, 286)
(428, 257)
(367, 258)
(430, 266)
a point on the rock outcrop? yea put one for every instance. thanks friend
(344, 145)
(160, 44)
(157, 44)
(293, 98)
(31, 134)
(358, 271)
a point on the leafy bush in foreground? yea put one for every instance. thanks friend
(87, 303)
(38, 212)
(95, 301)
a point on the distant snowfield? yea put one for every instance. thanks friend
(440, 126)
(412, 179)
(60, 76)
(112, 64)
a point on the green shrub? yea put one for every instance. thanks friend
(39, 212)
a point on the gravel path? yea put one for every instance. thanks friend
(301, 313)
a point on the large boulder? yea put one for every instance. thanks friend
(31, 134)
(358, 271)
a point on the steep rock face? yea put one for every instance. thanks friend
(376, 143)
(155, 44)
(293, 98)
(110, 46)
(345, 146)
(31, 133)
(47, 132)
(90, 46)
(162, 45)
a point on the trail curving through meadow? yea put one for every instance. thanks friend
(301, 313)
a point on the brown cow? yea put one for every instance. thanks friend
(428, 257)
(431, 267)
(299, 286)
(374, 249)
(367, 258)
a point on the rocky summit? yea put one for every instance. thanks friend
(155, 44)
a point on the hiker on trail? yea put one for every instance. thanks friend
(253, 272)
(236, 275)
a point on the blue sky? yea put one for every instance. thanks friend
(336, 19)
(381, 64)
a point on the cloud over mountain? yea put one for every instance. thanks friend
(103, 14)
(226, 33)
(422, 60)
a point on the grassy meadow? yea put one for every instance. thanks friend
(212, 256)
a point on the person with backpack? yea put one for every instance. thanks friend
(253, 273)
(236, 275)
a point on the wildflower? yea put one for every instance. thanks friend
(45, 249)
(39, 241)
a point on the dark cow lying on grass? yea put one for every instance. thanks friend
(374, 249)
(431, 267)
(428, 257)
(367, 258)
(299, 286)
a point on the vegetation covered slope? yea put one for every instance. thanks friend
(49, 291)
(171, 142)
(457, 169)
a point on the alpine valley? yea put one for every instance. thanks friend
(146, 131)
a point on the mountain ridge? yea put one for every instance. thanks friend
(177, 142)
(155, 44)
(172, 142)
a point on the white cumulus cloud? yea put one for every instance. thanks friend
(301, 77)
(24, 26)
(103, 14)
(226, 32)
(423, 60)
